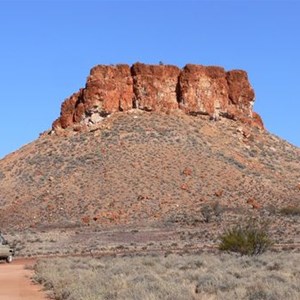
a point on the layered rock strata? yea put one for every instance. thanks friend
(195, 89)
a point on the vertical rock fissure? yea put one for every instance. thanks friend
(135, 101)
(180, 99)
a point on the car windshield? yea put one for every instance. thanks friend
(2, 240)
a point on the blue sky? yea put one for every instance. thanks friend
(48, 47)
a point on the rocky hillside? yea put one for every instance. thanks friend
(107, 163)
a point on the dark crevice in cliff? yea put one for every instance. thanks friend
(135, 102)
(180, 99)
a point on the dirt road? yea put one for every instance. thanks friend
(15, 283)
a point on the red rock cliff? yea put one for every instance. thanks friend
(195, 89)
(155, 87)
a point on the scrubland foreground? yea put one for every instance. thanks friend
(202, 276)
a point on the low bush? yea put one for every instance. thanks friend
(248, 239)
(290, 211)
(212, 211)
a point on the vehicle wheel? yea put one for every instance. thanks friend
(9, 259)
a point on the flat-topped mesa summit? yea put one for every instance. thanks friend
(195, 89)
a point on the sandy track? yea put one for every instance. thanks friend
(15, 282)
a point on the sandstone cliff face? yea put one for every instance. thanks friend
(240, 93)
(108, 89)
(203, 90)
(155, 87)
(195, 89)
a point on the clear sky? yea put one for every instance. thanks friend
(48, 47)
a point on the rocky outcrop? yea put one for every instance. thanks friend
(155, 87)
(240, 93)
(203, 90)
(108, 89)
(195, 89)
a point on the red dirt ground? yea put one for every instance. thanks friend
(16, 284)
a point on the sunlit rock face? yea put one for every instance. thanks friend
(203, 90)
(155, 87)
(195, 89)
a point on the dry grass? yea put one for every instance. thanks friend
(206, 276)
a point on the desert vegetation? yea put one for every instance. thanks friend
(202, 276)
(290, 211)
(250, 238)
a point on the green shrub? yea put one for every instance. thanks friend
(207, 213)
(249, 239)
(290, 211)
(214, 210)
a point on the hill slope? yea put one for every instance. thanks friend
(141, 167)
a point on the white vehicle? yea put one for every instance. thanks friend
(6, 252)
